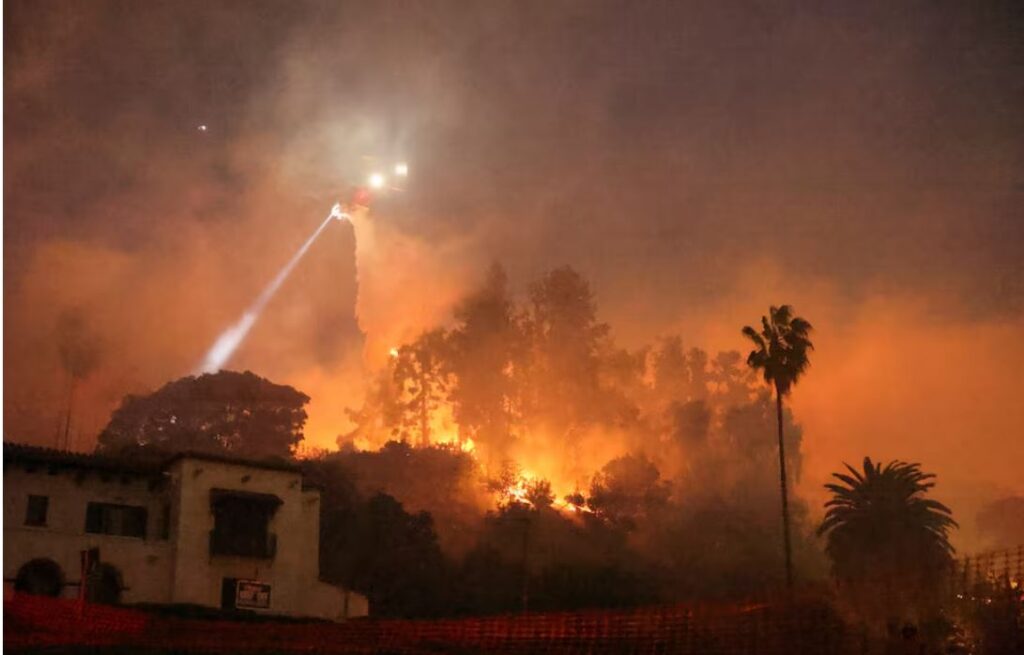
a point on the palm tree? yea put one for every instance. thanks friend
(780, 353)
(883, 535)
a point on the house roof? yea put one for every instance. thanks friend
(24, 454)
(273, 464)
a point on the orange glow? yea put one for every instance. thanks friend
(518, 492)
(875, 387)
(565, 506)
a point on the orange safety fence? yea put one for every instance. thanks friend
(750, 628)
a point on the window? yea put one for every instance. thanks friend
(35, 512)
(123, 520)
(241, 520)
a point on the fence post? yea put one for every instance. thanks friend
(687, 637)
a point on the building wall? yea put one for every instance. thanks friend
(145, 564)
(291, 573)
(180, 569)
(321, 599)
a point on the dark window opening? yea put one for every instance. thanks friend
(103, 585)
(240, 524)
(228, 592)
(122, 520)
(35, 512)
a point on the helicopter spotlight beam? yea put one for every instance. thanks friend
(229, 340)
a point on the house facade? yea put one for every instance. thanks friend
(199, 529)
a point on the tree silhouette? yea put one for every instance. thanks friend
(733, 381)
(442, 480)
(566, 342)
(484, 352)
(80, 353)
(627, 490)
(671, 376)
(379, 549)
(697, 363)
(239, 413)
(884, 536)
(377, 419)
(781, 354)
(692, 421)
(567, 339)
(422, 379)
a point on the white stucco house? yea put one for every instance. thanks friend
(200, 529)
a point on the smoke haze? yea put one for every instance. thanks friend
(695, 162)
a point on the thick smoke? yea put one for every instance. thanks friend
(695, 163)
(405, 284)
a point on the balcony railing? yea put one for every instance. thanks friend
(236, 545)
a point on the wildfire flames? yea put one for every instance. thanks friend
(529, 489)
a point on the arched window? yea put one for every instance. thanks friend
(42, 577)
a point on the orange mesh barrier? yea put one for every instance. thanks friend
(33, 621)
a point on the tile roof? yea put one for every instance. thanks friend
(26, 454)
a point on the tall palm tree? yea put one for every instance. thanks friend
(885, 536)
(781, 354)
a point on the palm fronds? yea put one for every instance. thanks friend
(881, 517)
(781, 347)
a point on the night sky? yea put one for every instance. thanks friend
(696, 161)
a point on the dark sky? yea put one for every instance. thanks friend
(863, 139)
(697, 161)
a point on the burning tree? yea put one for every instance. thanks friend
(682, 442)
(420, 372)
(485, 349)
(376, 420)
(564, 392)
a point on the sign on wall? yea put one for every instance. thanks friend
(250, 594)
